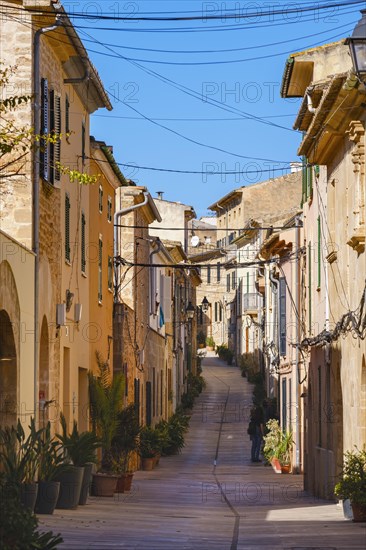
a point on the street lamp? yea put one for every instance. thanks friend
(205, 305)
(357, 46)
(190, 310)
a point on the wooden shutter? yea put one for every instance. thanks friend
(166, 298)
(67, 227)
(282, 315)
(208, 274)
(110, 273)
(218, 277)
(44, 160)
(136, 397)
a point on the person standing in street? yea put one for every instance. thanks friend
(256, 431)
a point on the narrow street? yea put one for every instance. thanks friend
(211, 496)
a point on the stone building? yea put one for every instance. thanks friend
(53, 67)
(332, 119)
(175, 221)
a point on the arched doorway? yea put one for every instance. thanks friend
(44, 397)
(8, 372)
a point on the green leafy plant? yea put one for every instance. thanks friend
(80, 448)
(19, 526)
(210, 342)
(106, 402)
(201, 338)
(277, 443)
(50, 453)
(18, 455)
(352, 484)
(176, 427)
(150, 444)
(126, 440)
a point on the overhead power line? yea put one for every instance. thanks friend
(227, 15)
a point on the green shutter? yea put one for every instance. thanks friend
(67, 115)
(100, 271)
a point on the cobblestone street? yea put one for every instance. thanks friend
(211, 496)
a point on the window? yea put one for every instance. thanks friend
(228, 283)
(216, 308)
(282, 315)
(218, 276)
(248, 282)
(50, 153)
(83, 243)
(100, 269)
(220, 313)
(110, 273)
(109, 208)
(208, 274)
(67, 228)
(100, 198)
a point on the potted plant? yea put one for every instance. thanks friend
(201, 339)
(210, 343)
(125, 444)
(19, 461)
(149, 445)
(80, 451)
(51, 465)
(106, 401)
(284, 451)
(277, 447)
(352, 484)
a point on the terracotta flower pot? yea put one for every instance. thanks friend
(275, 463)
(285, 468)
(124, 482)
(104, 485)
(359, 512)
(147, 464)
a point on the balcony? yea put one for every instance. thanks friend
(251, 302)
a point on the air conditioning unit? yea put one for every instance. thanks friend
(78, 309)
(61, 315)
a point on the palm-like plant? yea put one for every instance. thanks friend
(125, 442)
(106, 401)
(80, 448)
(49, 451)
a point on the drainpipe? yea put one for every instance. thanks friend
(80, 80)
(36, 198)
(121, 213)
(297, 354)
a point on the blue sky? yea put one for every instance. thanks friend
(240, 91)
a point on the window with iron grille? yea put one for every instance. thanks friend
(67, 228)
(83, 243)
(233, 280)
(100, 270)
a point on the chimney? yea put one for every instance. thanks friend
(160, 195)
